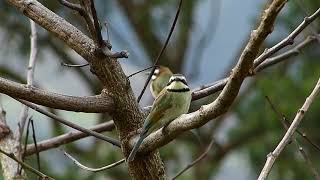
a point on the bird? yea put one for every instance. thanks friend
(159, 80)
(173, 101)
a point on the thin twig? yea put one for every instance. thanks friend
(285, 55)
(206, 90)
(25, 146)
(308, 161)
(26, 166)
(74, 65)
(282, 119)
(289, 40)
(72, 6)
(35, 144)
(30, 78)
(162, 50)
(96, 24)
(141, 71)
(286, 124)
(93, 169)
(271, 158)
(67, 138)
(26, 140)
(70, 124)
(203, 155)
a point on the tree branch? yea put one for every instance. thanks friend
(93, 169)
(30, 78)
(289, 40)
(70, 124)
(271, 158)
(285, 55)
(217, 86)
(62, 29)
(283, 119)
(67, 138)
(92, 104)
(225, 99)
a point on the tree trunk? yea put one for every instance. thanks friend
(127, 117)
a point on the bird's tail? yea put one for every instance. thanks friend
(136, 147)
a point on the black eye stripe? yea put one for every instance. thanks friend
(178, 79)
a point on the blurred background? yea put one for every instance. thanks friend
(206, 44)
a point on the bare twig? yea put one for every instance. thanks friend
(217, 86)
(271, 158)
(26, 140)
(162, 50)
(203, 155)
(35, 144)
(25, 145)
(67, 138)
(141, 71)
(308, 161)
(285, 55)
(74, 65)
(283, 119)
(289, 40)
(70, 124)
(286, 124)
(26, 166)
(93, 169)
(30, 78)
(72, 6)
(96, 24)
(112, 54)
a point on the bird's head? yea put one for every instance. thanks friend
(177, 82)
(161, 71)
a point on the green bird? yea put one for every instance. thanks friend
(171, 102)
(160, 79)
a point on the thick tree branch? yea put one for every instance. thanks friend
(92, 104)
(67, 138)
(290, 132)
(55, 24)
(228, 94)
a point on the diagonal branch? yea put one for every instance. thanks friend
(67, 138)
(303, 153)
(289, 40)
(217, 86)
(161, 51)
(227, 96)
(59, 27)
(271, 158)
(70, 124)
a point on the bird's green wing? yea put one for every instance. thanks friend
(160, 106)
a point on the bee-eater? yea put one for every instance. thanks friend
(160, 79)
(171, 102)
